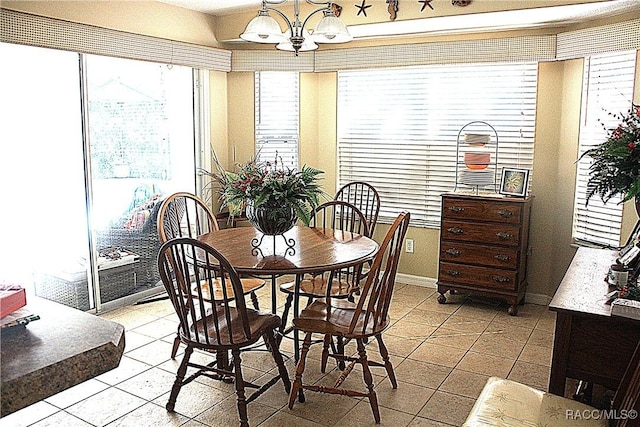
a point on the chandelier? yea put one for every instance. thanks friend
(265, 29)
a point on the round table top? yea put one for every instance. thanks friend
(315, 250)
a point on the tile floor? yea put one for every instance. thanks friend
(442, 355)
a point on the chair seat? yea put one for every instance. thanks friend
(316, 287)
(248, 286)
(508, 403)
(335, 318)
(259, 323)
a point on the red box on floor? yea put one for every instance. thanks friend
(11, 300)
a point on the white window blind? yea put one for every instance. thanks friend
(607, 88)
(277, 112)
(397, 128)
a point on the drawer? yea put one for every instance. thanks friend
(492, 234)
(490, 256)
(490, 278)
(482, 210)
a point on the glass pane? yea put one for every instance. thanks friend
(45, 239)
(142, 148)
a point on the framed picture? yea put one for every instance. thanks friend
(514, 182)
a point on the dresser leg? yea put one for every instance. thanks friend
(513, 310)
(441, 298)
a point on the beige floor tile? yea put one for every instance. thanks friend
(106, 406)
(127, 368)
(511, 332)
(421, 373)
(322, 408)
(424, 422)
(77, 393)
(460, 322)
(411, 330)
(129, 318)
(135, 340)
(400, 346)
(149, 384)
(432, 304)
(153, 353)
(547, 321)
(486, 364)
(194, 398)
(61, 418)
(409, 398)
(438, 354)
(150, 415)
(531, 374)
(447, 408)
(158, 328)
(361, 415)
(536, 354)
(426, 317)
(453, 338)
(28, 415)
(485, 311)
(464, 383)
(542, 338)
(524, 319)
(498, 346)
(226, 413)
(285, 418)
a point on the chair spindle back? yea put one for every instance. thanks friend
(184, 215)
(375, 298)
(363, 196)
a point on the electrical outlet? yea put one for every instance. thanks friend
(409, 246)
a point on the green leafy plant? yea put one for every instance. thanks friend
(616, 162)
(270, 184)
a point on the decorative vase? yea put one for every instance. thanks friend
(271, 220)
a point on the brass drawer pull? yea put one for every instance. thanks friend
(456, 209)
(505, 213)
(453, 273)
(502, 257)
(501, 279)
(455, 230)
(504, 236)
(454, 252)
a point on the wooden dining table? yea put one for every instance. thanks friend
(299, 251)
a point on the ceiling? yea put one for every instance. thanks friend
(533, 17)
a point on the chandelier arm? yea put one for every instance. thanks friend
(288, 22)
(327, 3)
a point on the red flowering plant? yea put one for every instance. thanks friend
(270, 184)
(615, 169)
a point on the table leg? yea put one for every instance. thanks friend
(274, 294)
(560, 359)
(296, 311)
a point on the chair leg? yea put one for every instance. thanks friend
(242, 401)
(368, 379)
(285, 312)
(277, 357)
(325, 353)
(176, 346)
(254, 301)
(297, 383)
(177, 384)
(387, 363)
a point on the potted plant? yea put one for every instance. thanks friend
(616, 162)
(274, 196)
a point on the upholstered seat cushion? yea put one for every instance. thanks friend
(508, 403)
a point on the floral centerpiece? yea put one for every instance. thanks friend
(273, 195)
(616, 162)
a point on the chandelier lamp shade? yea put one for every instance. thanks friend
(265, 29)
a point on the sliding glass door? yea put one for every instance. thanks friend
(90, 146)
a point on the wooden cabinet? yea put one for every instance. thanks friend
(483, 247)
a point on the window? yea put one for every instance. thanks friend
(397, 128)
(607, 88)
(277, 113)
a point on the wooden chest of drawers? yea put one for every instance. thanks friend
(483, 247)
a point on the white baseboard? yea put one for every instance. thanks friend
(429, 282)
